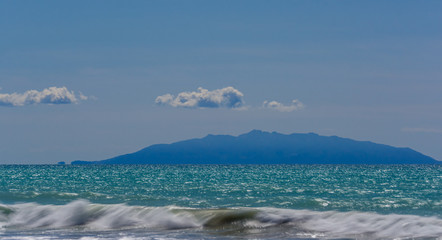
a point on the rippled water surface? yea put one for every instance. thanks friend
(227, 201)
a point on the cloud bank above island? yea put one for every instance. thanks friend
(293, 106)
(51, 95)
(227, 97)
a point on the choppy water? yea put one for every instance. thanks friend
(221, 202)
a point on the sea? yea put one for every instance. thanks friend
(220, 202)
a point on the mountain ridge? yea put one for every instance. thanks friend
(259, 147)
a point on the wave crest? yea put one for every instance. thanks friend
(82, 214)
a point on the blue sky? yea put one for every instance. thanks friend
(91, 80)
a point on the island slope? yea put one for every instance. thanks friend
(258, 147)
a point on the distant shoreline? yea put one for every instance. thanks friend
(259, 147)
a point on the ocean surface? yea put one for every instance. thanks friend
(220, 202)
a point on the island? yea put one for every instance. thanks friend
(259, 147)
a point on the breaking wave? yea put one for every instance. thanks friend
(83, 215)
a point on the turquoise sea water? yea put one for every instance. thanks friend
(220, 202)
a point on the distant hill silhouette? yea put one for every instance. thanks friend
(258, 147)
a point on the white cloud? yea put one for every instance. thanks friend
(52, 95)
(82, 97)
(294, 105)
(228, 97)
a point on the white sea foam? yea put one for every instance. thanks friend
(84, 215)
(357, 224)
(81, 213)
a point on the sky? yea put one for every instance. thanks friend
(90, 80)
